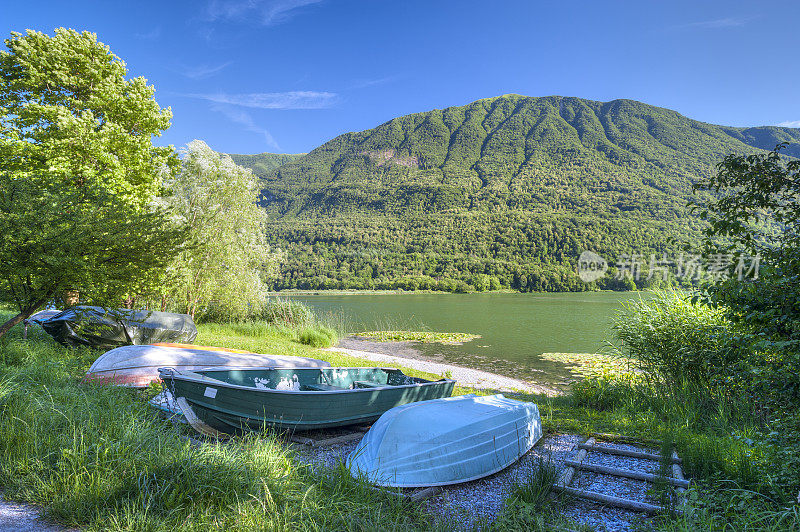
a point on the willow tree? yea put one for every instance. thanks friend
(225, 267)
(78, 173)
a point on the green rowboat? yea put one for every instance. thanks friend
(235, 399)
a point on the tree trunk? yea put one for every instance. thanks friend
(13, 321)
(163, 303)
(24, 315)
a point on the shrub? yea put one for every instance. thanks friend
(675, 339)
(287, 312)
(318, 336)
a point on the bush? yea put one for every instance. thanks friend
(318, 336)
(675, 339)
(287, 312)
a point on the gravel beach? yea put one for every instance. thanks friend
(404, 354)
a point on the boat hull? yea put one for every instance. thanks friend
(137, 365)
(230, 407)
(447, 441)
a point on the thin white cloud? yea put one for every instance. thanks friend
(264, 12)
(274, 100)
(203, 71)
(151, 35)
(364, 83)
(789, 123)
(719, 23)
(244, 119)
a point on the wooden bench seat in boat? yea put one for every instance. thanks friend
(366, 384)
(322, 387)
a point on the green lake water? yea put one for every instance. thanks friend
(515, 328)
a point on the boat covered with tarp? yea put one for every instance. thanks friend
(231, 400)
(40, 317)
(107, 328)
(137, 365)
(446, 441)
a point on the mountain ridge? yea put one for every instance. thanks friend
(546, 177)
(263, 163)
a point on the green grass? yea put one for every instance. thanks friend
(418, 336)
(317, 336)
(538, 485)
(533, 505)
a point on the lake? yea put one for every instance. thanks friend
(515, 328)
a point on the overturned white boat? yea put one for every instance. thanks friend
(446, 441)
(137, 365)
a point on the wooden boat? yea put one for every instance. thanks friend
(446, 441)
(137, 365)
(234, 399)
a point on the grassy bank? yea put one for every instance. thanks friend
(696, 384)
(99, 458)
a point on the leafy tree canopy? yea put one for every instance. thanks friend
(756, 209)
(223, 271)
(78, 173)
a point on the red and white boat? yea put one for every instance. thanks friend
(137, 365)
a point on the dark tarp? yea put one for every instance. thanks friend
(97, 327)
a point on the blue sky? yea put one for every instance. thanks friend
(249, 76)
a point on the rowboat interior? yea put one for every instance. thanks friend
(310, 379)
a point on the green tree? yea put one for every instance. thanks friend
(756, 211)
(224, 269)
(78, 174)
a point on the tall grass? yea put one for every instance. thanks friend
(537, 486)
(286, 320)
(675, 340)
(287, 313)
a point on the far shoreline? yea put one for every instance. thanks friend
(401, 292)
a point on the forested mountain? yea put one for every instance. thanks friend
(504, 191)
(264, 163)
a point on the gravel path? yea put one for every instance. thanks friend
(480, 501)
(19, 517)
(472, 378)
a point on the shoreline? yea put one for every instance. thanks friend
(464, 376)
(400, 292)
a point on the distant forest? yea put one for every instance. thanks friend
(504, 192)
